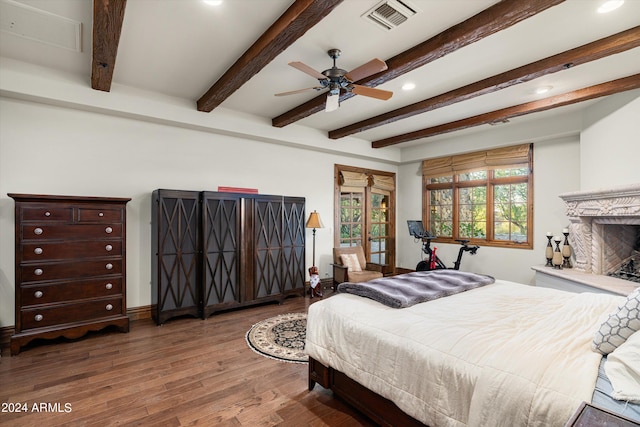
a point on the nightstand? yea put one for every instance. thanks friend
(589, 415)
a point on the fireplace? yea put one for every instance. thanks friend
(604, 228)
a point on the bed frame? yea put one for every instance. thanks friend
(379, 409)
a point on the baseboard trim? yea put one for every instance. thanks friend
(139, 313)
(5, 336)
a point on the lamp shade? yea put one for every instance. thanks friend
(314, 220)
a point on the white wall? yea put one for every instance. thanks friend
(610, 143)
(54, 150)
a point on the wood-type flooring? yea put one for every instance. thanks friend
(183, 373)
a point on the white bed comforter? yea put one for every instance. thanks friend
(502, 355)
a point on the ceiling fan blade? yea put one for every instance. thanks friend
(333, 102)
(365, 70)
(293, 92)
(306, 69)
(371, 92)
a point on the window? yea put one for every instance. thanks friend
(486, 197)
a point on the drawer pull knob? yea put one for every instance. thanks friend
(47, 213)
(109, 248)
(38, 272)
(38, 317)
(108, 230)
(37, 251)
(109, 266)
(109, 307)
(38, 231)
(109, 286)
(101, 214)
(38, 294)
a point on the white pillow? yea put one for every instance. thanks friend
(619, 325)
(351, 262)
(623, 369)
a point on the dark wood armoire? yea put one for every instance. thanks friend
(214, 251)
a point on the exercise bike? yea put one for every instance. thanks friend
(432, 261)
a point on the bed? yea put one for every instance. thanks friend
(500, 354)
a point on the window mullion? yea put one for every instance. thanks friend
(490, 207)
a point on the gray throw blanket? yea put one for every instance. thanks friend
(408, 289)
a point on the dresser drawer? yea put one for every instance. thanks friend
(46, 213)
(42, 251)
(53, 293)
(72, 269)
(71, 232)
(40, 317)
(100, 215)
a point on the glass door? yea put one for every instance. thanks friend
(365, 213)
(379, 227)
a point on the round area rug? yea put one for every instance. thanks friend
(281, 337)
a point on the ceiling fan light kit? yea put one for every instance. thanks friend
(336, 80)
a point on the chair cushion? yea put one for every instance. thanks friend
(350, 250)
(351, 262)
(363, 276)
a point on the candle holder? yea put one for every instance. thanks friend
(566, 250)
(548, 252)
(557, 254)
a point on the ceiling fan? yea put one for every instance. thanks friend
(336, 79)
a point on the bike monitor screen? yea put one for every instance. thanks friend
(416, 229)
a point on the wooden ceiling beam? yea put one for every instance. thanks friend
(580, 95)
(292, 24)
(496, 18)
(611, 45)
(108, 16)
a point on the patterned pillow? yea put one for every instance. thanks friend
(619, 325)
(351, 262)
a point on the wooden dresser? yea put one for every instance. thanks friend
(69, 266)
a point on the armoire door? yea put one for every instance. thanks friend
(267, 246)
(221, 231)
(293, 244)
(176, 243)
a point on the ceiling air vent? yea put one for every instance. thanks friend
(390, 13)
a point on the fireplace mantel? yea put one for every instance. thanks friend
(616, 202)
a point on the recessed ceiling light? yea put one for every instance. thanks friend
(610, 5)
(408, 86)
(213, 2)
(543, 89)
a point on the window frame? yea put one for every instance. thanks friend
(490, 182)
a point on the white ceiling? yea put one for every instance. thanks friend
(181, 47)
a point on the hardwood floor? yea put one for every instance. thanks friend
(186, 372)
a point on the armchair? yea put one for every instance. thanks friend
(350, 273)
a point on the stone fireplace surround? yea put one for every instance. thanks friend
(603, 228)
